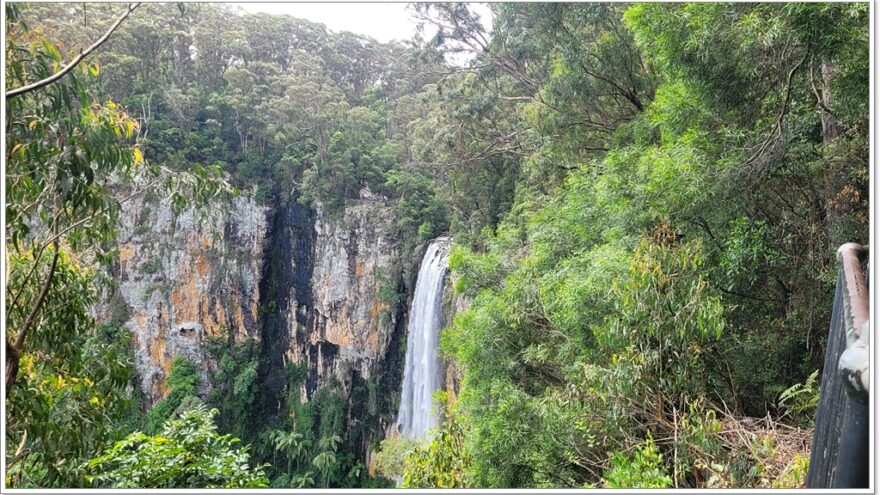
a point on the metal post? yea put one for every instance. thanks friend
(839, 458)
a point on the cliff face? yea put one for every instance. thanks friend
(183, 279)
(453, 304)
(307, 283)
(356, 255)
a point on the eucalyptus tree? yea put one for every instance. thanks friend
(72, 161)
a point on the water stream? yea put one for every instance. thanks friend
(421, 377)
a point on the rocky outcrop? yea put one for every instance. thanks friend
(182, 278)
(453, 304)
(321, 290)
(356, 263)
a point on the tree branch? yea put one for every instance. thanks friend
(13, 352)
(32, 316)
(73, 63)
(56, 237)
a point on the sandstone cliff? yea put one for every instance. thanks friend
(318, 288)
(355, 254)
(183, 278)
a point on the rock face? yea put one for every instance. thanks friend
(356, 258)
(453, 304)
(325, 293)
(183, 279)
(308, 283)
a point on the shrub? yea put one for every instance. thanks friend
(644, 469)
(151, 266)
(183, 381)
(441, 462)
(392, 454)
(188, 453)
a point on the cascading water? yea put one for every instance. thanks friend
(421, 377)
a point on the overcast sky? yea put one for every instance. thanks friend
(381, 21)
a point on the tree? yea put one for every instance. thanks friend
(187, 452)
(392, 454)
(643, 469)
(73, 63)
(71, 163)
(441, 462)
(645, 201)
(70, 396)
(324, 462)
(292, 445)
(182, 381)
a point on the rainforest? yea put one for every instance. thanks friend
(535, 245)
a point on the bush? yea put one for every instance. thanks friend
(188, 453)
(441, 462)
(151, 266)
(141, 230)
(118, 313)
(392, 454)
(644, 469)
(183, 381)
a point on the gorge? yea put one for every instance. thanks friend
(303, 285)
(561, 245)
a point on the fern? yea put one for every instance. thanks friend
(801, 399)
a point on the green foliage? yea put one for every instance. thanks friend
(97, 142)
(118, 313)
(643, 469)
(645, 201)
(63, 407)
(748, 253)
(308, 449)
(441, 462)
(420, 213)
(187, 452)
(151, 266)
(795, 473)
(72, 159)
(141, 230)
(392, 454)
(474, 271)
(800, 400)
(575, 342)
(664, 323)
(235, 386)
(182, 382)
(389, 291)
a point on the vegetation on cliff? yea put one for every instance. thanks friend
(645, 202)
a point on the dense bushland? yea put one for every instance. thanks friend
(645, 201)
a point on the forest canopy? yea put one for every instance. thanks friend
(645, 200)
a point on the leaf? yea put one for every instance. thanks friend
(138, 156)
(51, 50)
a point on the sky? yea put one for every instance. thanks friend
(380, 21)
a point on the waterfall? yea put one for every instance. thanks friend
(421, 377)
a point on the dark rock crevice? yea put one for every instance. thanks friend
(285, 293)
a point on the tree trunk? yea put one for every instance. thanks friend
(12, 358)
(831, 128)
(835, 175)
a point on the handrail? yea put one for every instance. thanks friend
(853, 363)
(840, 456)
